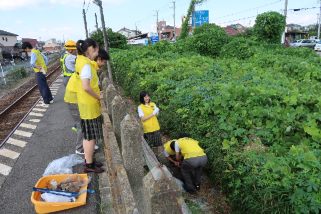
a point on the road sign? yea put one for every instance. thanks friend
(153, 37)
(200, 17)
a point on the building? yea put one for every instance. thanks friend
(52, 46)
(235, 29)
(296, 32)
(129, 33)
(7, 40)
(166, 32)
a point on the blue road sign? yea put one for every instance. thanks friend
(154, 38)
(200, 17)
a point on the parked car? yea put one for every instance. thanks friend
(317, 47)
(303, 43)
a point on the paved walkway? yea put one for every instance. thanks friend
(44, 136)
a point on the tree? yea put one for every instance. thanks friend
(208, 40)
(116, 40)
(185, 27)
(269, 27)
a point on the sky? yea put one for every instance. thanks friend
(62, 19)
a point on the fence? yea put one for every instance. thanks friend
(127, 153)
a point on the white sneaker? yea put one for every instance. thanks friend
(96, 147)
(51, 102)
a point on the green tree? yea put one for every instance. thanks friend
(185, 27)
(116, 40)
(208, 40)
(269, 27)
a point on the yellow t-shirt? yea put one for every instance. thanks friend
(150, 125)
(189, 148)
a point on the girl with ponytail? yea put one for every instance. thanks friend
(88, 99)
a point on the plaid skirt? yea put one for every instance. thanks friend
(93, 128)
(153, 139)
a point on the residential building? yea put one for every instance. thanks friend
(52, 46)
(7, 40)
(129, 33)
(235, 29)
(166, 32)
(296, 32)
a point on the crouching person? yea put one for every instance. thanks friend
(190, 157)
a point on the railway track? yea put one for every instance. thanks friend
(12, 115)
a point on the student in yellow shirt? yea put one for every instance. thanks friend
(148, 111)
(88, 100)
(71, 98)
(190, 157)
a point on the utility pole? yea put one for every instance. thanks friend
(85, 21)
(100, 5)
(97, 28)
(285, 15)
(174, 16)
(157, 11)
(319, 22)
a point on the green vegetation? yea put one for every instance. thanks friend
(255, 107)
(116, 40)
(269, 27)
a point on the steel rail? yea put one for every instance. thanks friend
(11, 106)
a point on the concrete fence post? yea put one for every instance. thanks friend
(109, 96)
(161, 194)
(118, 112)
(132, 154)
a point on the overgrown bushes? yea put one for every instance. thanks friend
(256, 110)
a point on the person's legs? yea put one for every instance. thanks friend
(200, 163)
(89, 148)
(65, 80)
(44, 88)
(41, 86)
(73, 108)
(90, 135)
(187, 173)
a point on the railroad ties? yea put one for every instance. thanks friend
(15, 144)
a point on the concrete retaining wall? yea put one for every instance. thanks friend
(157, 192)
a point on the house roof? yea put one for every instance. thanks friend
(126, 30)
(5, 33)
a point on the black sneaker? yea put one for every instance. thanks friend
(93, 169)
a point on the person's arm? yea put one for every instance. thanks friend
(85, 77)
(177, 151)
(142, 116)
(45, 58)
(156, 110)
(70, 62)
(147, 117)
(169, 158)
(86, 86)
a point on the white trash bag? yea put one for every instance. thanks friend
(63, 165)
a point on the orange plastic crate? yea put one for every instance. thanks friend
(49, 207)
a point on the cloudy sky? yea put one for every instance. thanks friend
(62, 19)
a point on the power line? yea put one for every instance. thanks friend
(304, 8)
(250, 9)
(235, 20)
